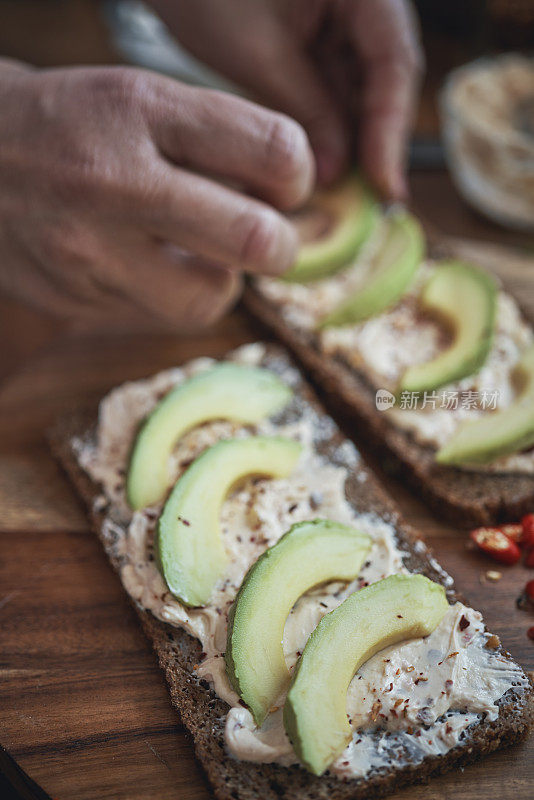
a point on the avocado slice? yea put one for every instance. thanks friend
(190, 548)
(386, 612)
(226, 391)
(497, 433)
(390, 274)
(310, 553)
(465, 298)
(333, 227)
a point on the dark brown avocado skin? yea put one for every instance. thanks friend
(202, 713)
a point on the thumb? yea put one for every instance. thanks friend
(290, 83)
(250, 45)
(384, 35)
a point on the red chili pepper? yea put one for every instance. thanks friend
(496, 544)
(530, 633)
(525, 601)
(514, 532)
(527, 523)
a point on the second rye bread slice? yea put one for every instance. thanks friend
(203, 713)
(468, 498)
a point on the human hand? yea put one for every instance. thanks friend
(109, 174)
(339, 67)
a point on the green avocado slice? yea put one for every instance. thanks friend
(190, 549)
(333, 227)
(310, 553)
(226, 391)
(394, 609)
(499, 433)
(389, 276)
(465, 298)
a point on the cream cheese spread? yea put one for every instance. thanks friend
(383, 347)
(405, 702)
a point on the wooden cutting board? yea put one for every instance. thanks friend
(83, 706)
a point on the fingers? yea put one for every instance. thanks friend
(126, 284)
(230, 137)
(385, 37)
(185, 293)
(289, 81)
(32, 281)
(218, 224)
(386, 121)
(252, 45)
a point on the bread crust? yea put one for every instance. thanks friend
(202, 712)
(466, 498)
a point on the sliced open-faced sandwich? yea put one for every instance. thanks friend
(431, 355)
(312, 645)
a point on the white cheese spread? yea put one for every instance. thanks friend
(419, 696)
(383, 347)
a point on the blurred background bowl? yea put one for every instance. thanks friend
(487, 116)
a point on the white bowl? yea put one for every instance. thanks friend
(487, 108)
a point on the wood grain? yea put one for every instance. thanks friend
(84, 707)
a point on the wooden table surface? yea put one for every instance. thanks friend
(84, 708)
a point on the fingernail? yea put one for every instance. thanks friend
(391, 184)
(284, 252)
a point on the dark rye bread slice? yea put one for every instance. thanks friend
(468, 498)
(202, 712)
